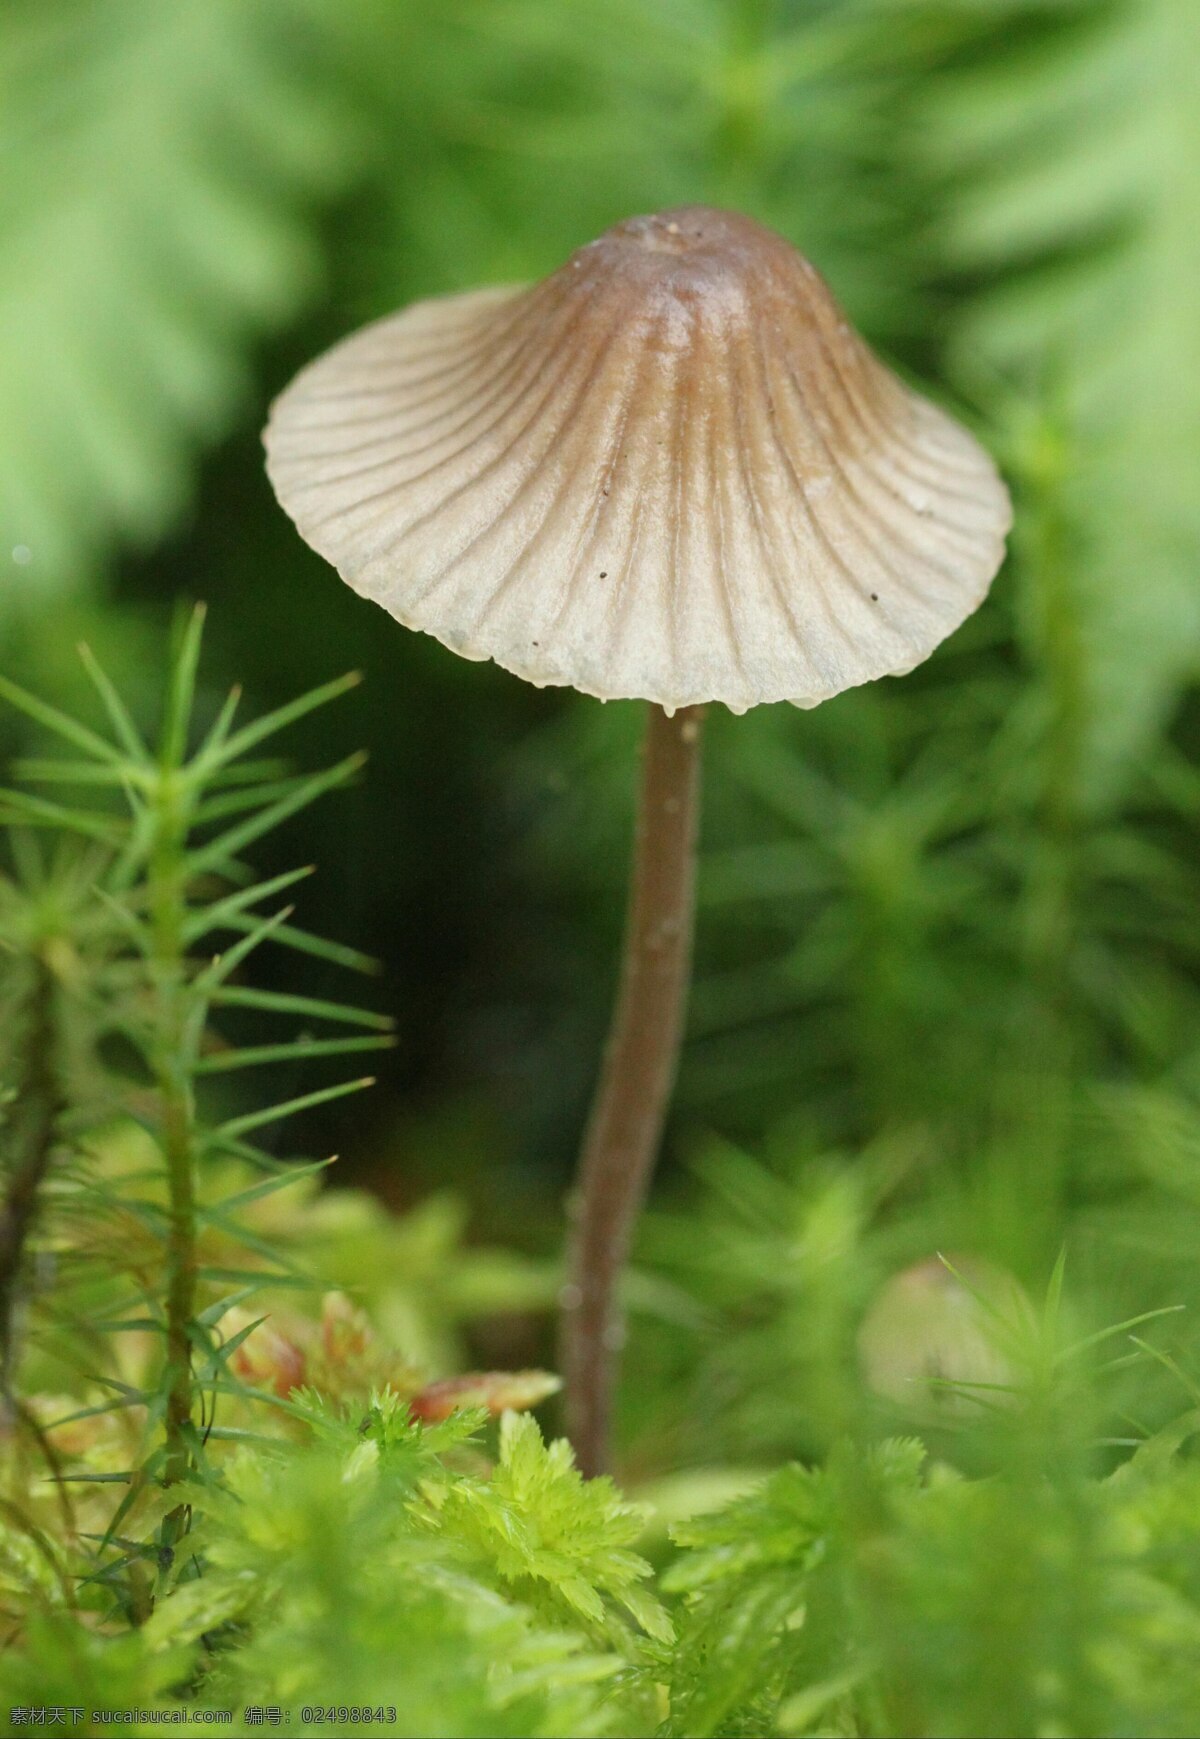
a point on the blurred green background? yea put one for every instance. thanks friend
(947, 988)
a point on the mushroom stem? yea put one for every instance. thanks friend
(640, 1061)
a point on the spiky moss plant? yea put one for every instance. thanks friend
(886, 1594)
(129, 925)
(380, 1564)
(352, 1552)
(753, 1290)
(882, 1593)
(50, 923)
(887, 1591)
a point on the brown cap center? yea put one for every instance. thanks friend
(692, 255)
(690, 229)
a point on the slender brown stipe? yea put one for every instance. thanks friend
(623, 1136)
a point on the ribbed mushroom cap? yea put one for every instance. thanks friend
(671, 470)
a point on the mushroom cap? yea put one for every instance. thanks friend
(671, 471)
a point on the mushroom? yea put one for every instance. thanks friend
(943, 1338)
(671, 471)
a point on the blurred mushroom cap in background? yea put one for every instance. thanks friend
(934, 1331)
(669, 471)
